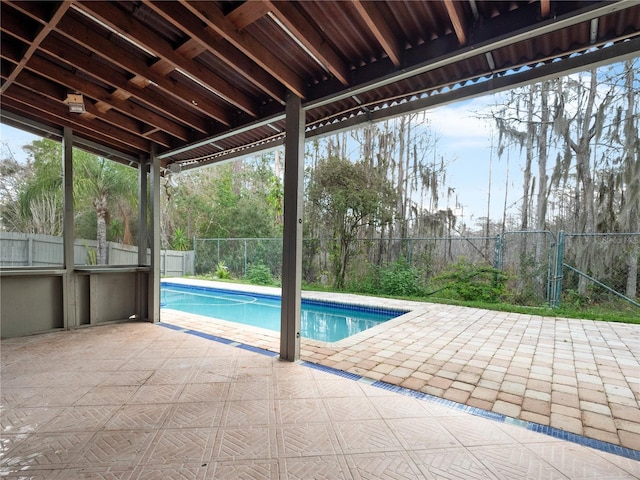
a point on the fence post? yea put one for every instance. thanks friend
(30, 251)
(498, 261)
(556, 290)
(245, 257)
(218, 262)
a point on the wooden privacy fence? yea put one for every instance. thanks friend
(35, 250)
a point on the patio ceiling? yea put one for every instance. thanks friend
(204, 81)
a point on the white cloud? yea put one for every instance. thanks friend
(460, 123)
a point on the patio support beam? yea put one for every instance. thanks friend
(292, 234)
(154, 274)
(69, 284)
(141, 303)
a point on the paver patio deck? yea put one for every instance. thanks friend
(137, 401)
(578, 376)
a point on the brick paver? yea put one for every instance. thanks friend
(540, 369)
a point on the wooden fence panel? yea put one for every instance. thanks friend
(33, 250)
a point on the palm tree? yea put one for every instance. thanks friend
(107, 187)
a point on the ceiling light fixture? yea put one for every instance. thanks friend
(75, 101)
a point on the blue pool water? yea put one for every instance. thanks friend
(324, 321)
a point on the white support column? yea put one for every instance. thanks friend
(68, 236)
(292, 234)
(154, 274)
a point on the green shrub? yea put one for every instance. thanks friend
(473, 282)
(222, 271)
(400, 279)
(395, 279)
(259, 275)
(179, 240)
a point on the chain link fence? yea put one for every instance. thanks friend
(599, 268)
(542, 268)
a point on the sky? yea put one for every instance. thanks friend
(466, 141)
(14, 139)
(463, 139)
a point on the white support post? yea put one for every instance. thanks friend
(69, 284)
(292, 234)
(154, 274)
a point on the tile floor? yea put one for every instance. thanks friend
(142, 401)
(578, 376)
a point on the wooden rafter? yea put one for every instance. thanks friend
(56, 112)
(117, 19)
(81, 34)
(124, 88)
(307, 35)
(249, 46)
(545, 8)
(457, 19)
(182, 18)
(247, 13)
(69, 79)
(35, 43)
(377, 24)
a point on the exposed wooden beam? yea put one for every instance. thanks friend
(127, 25)
(54, 112)
(54, 92)
(545, 8)
(35, 43)
(125, 89)
(63, 76)
(378, 25)
(183, 19)
(78, 32)
(457, 19)
(209, 13)
(247, 13)
(306, 34)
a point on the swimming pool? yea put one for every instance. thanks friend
(324, 321)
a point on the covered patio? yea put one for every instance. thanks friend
(166, 87)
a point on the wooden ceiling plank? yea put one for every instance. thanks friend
(11, 51)
(183, 19)
(308, 36)
(35, 43)
(83, 35)
(69, 79)
(117, 19)
(457, 20)
(249, 46)
(247, 13)
(67, 53)
(377, 24)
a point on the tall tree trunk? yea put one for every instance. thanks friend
(543, 180)
(526, 174)
(100, 205)
(632, 165)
